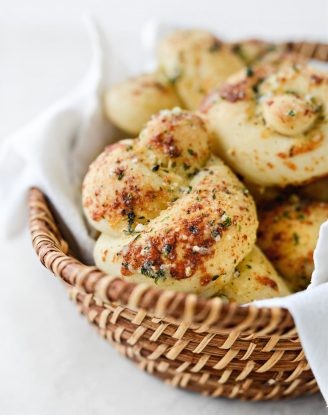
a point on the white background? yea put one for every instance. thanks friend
(51, 361)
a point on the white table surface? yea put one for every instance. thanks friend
(51, 361)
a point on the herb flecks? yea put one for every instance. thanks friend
(176, 74)
(249, 72)
(255, 89)
(167, 249)
(237, 49)
(286, 214)
(191, 175)
(296, 238)
(131, 217)
(226, 221)
(216, 234)
(149, 271)
(119, 173)
(125, 265)
(193, 229)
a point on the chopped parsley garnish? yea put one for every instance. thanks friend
(215, 277)
(120, 175)
(249, 71)
(190, 175)
(237, 49)
(286, 214)
(291, 113)
(167, 249)
(215, 233)
(148, 270)
(155, 168)
(249, 266)
(191, 152)
(131, 217)
(175, 76)
(226, 223)
(255, 89)
(296, 238)
(193, 229)
(186, 166)
(159, 274)
(291, 92)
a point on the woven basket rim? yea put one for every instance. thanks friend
(52, 250)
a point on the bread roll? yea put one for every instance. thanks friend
(195, 62)
(270, 124)
(288, 234)
(170, 214)
(130, 104)
(255, 279)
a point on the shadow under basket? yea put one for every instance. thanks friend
(207, 346)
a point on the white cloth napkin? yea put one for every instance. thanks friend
(53, 153)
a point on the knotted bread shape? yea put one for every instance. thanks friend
(270, 123)
(191, 63)
(196, 62)
(170, 213)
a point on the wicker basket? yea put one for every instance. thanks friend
(202, 345)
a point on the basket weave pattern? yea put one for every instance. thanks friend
(203, 345)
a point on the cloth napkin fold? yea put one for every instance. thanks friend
(54, 151)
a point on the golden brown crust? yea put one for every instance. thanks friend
(270, 122)
(251, 51)
(255, 279)
(131, 103)
(288, 234)
(196, 61)
(169, 212)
